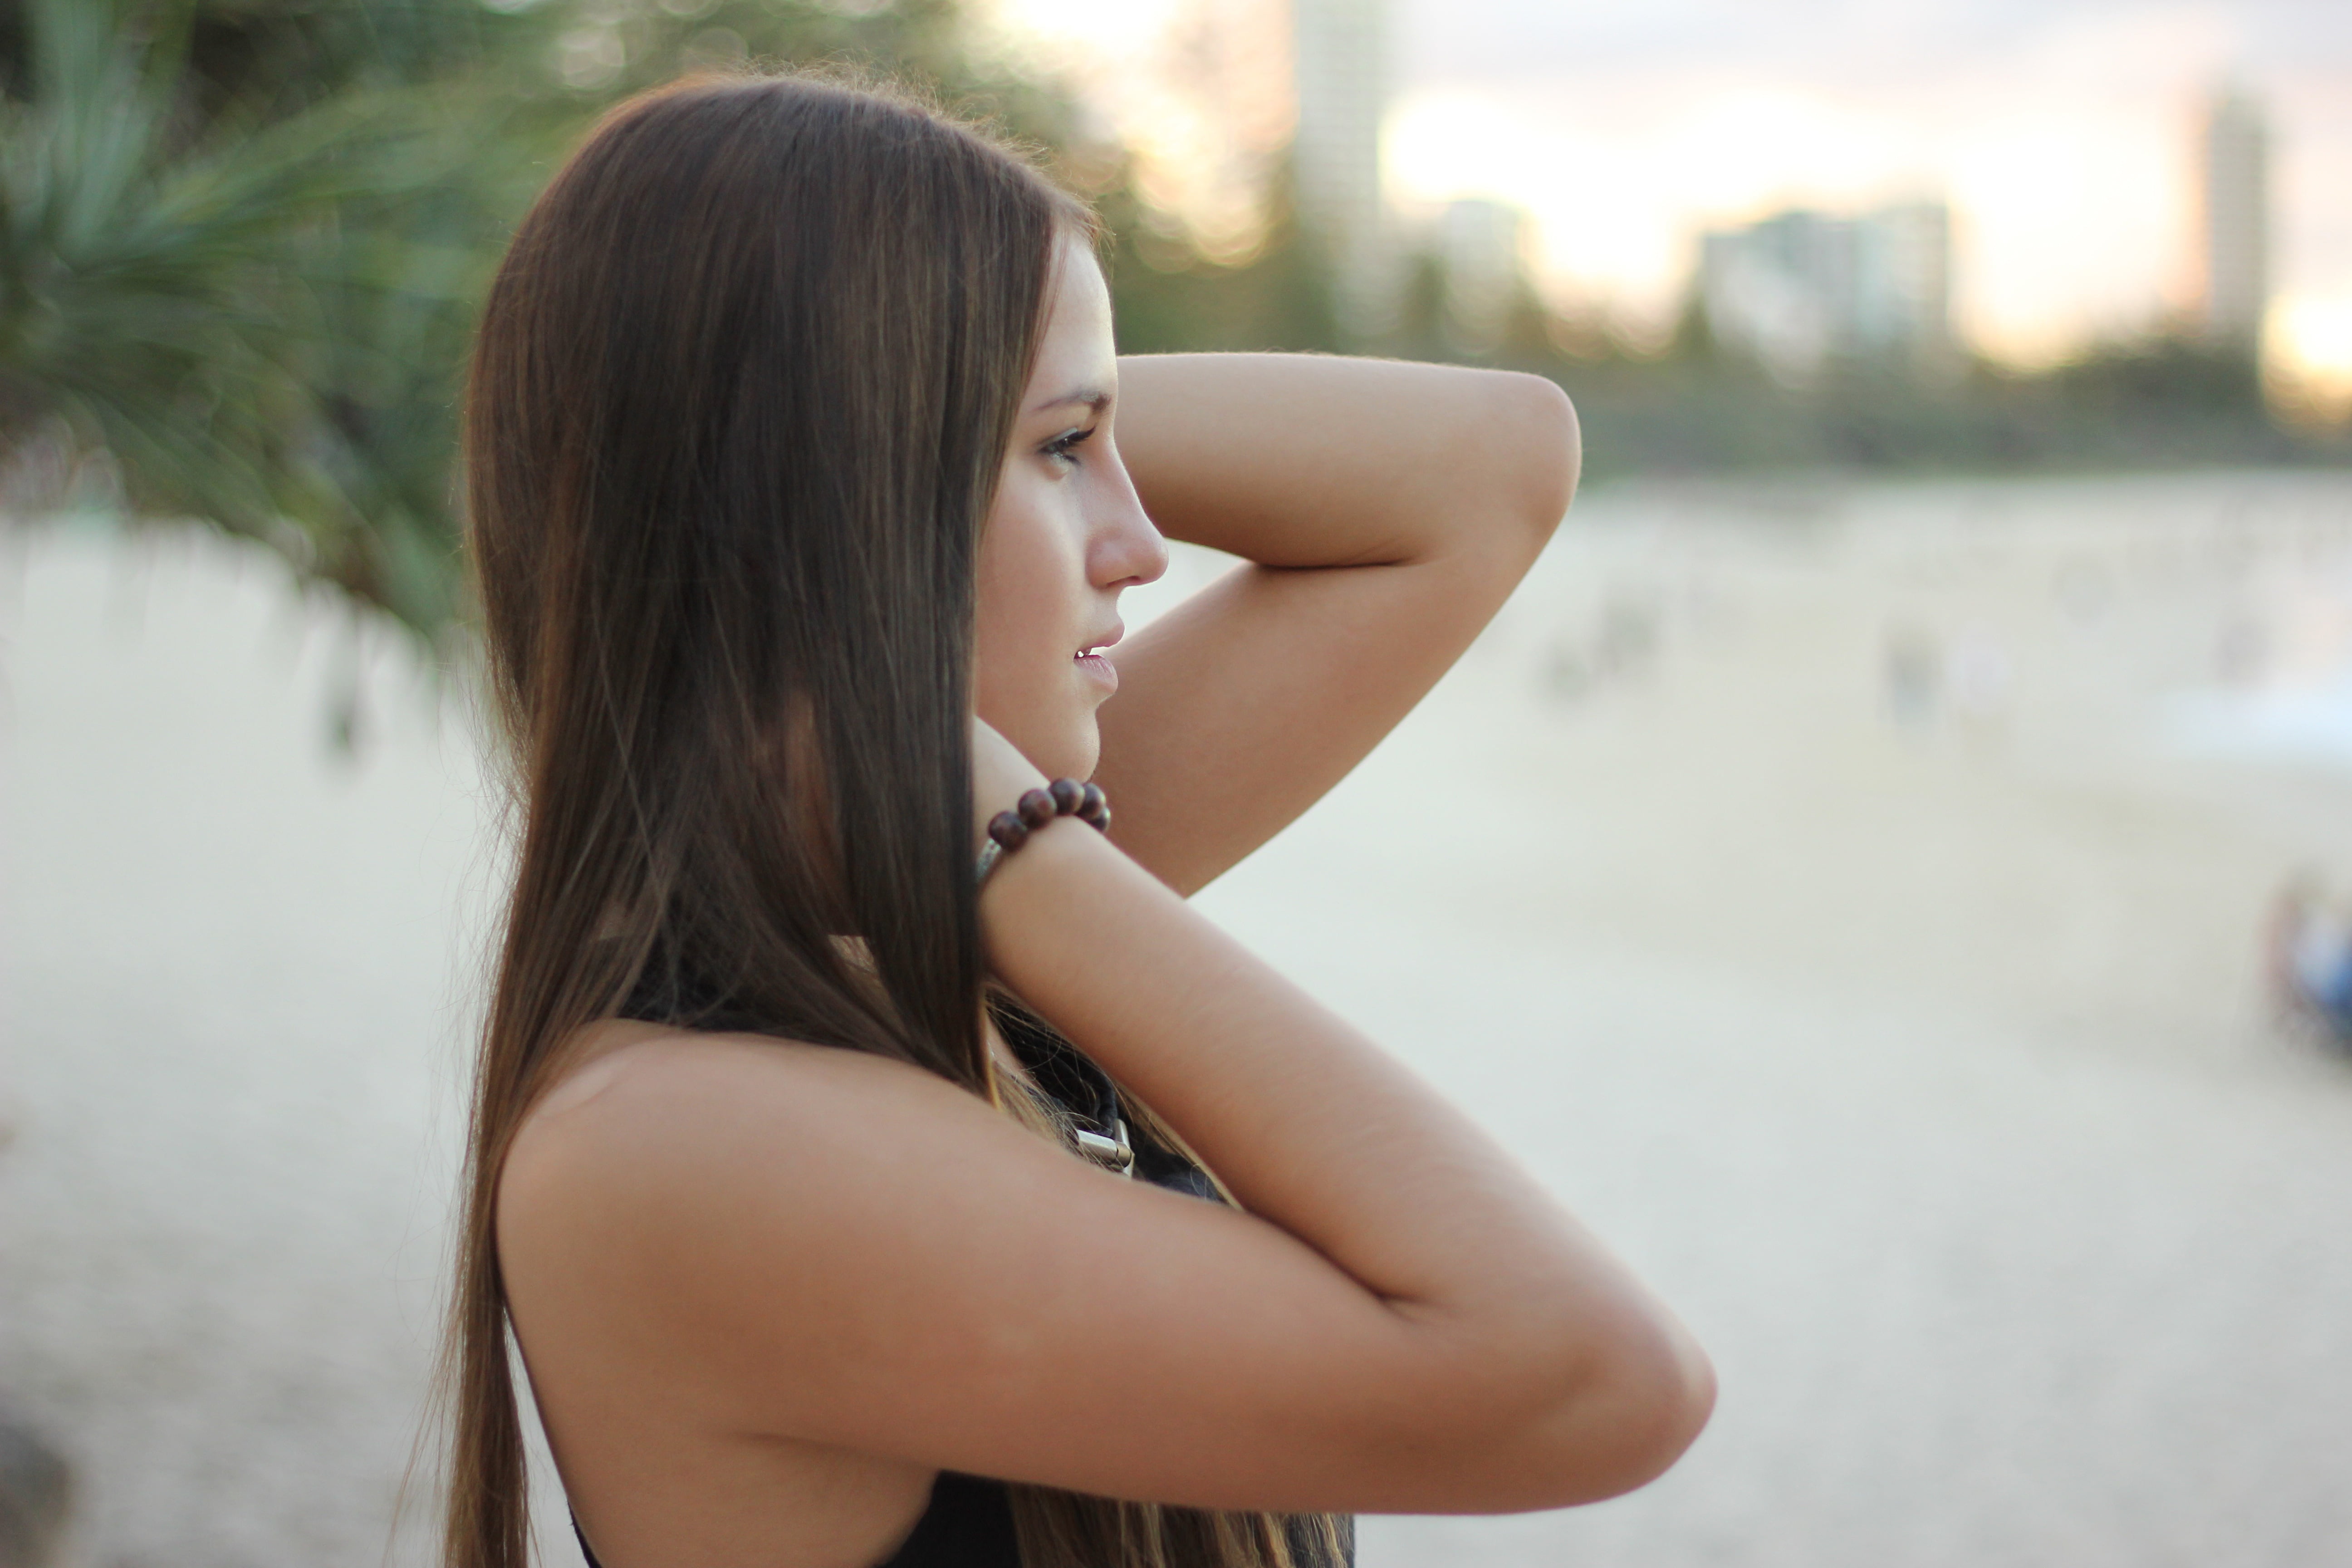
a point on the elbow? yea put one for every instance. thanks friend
(1630, 1419)
(1655, 1418)
(1536, 440)
(1612, 1417)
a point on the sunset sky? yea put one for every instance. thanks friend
(2062, 132)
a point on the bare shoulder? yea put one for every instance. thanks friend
(669, 1208)
(731, 1240)
(757, 1235)
(654, 1115)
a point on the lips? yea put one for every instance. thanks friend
(1091, 663)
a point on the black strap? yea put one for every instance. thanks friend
(968, 1523)
(585, 1550)
(1060, 1068)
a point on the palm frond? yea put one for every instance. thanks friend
(191, 309)
(242, 241)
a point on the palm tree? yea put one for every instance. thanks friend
(177, 283)
(241, 241)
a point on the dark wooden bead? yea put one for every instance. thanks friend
(1008, 831)
(1066, 795)
(1036, 808)
(1094, 806)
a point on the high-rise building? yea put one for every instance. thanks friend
(1803, 288)
(2236, 223)
(1903, 283)
(1339, 54)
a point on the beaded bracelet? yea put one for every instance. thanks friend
(1009, 830)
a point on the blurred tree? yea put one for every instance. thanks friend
(1167, 298)
(153, 304)
(242, 241)
(2172, 370)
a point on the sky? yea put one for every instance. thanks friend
(2061, 132)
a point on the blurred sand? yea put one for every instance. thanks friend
(1846, 896)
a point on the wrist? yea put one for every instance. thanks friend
(1000, 775)
(1027, 896)
(991, 798)
(1035, 811)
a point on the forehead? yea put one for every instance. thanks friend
(1077, 338)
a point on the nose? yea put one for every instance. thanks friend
(1124, 550)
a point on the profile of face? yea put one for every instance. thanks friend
(1065, 536)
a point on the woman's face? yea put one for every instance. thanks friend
(1065, 535)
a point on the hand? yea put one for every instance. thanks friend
(1000, 775)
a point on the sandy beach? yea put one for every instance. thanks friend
(1847, 897)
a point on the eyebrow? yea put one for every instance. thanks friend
(1094, 397)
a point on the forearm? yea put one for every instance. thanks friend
(1321, 1135)
(1306, 460)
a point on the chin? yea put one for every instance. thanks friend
(1060, 739)
(1077, 760)
(1072, 753)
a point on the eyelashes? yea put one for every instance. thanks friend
(1063, 447)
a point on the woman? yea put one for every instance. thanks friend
(801, 525)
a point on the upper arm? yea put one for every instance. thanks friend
(828, 1247)
(1389, 509)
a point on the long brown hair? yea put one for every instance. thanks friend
(743, 387)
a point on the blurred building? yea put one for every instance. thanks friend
(2235, 190)
(1480, 246)
(1205, 113)
(1340, 54)
(1803, 290)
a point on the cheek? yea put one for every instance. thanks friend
(1023, 599)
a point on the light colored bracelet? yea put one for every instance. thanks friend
(1009, 830)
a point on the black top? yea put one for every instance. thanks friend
(969, 1522)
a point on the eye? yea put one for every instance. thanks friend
(1063, 447)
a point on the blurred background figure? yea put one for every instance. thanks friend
(2309, 960)
(1915, 675)
(35, 1495)
(1978, 675)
